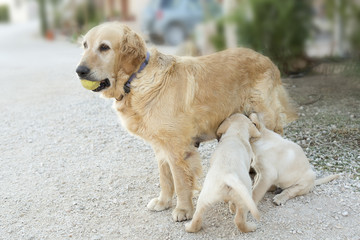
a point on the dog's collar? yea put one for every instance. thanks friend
(131, 78)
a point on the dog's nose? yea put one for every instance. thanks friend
(82, 71)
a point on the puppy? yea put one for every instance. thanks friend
(174, 103)
(282, 163)
(228, 177)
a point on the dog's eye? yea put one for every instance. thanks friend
(103, 47)
(85, 45)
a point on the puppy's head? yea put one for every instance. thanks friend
(112, 52)
(224, 126)
(240, 122)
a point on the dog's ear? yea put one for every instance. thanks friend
(254, 132)
(255, 120)
(223, 127)
(132, 51)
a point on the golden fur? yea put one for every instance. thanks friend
(176, 102)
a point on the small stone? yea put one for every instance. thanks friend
(345, 213)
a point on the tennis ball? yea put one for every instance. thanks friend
(90, 85)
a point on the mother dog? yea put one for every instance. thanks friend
(174, 103)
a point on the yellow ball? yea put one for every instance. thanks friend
(90, 85)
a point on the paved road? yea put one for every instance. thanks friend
(30, 66)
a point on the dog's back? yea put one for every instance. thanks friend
(218, 85)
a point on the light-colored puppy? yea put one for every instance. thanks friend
(174, 103)
(228, 177)
(282, 163)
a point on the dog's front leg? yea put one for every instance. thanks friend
(184, 185)
(164, 201)
(185, 167)
(177, 170)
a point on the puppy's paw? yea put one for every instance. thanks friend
(157, 205)
(280, 199)
(247, 227)
(232, 207)
(180, 215)
(192, 227)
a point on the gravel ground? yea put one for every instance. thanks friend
(69, 171)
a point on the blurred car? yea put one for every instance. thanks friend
(171, 21)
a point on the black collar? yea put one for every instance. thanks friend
(127, 85)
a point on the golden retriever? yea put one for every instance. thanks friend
(228, 178)
(174, 103)
(282, 163)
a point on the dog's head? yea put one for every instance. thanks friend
(112, 52)
(239, 121)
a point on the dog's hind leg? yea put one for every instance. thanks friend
(261, 186)
(302, 187)
(210, 194)
(291, 192)
(196, 222)
(241, 218)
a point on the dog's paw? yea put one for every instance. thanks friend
(157, 205)
(250, 226)
(232, 207)
(192, 227)
(280, 199)
(247, 227)
(180, 215)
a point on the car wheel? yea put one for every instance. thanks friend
(174, 35)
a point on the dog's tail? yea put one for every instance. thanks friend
(326, 179)
(241, 190)
(287, 113)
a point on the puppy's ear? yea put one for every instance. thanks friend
(254, 132)
(132, 51)
(254, 118)
(223, 127)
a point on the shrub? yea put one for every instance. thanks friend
(4, 14)
(277, 29)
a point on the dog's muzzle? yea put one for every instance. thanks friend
(84, 73)
(103, 84)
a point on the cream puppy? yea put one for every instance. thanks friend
(282, 163)
(228, 177)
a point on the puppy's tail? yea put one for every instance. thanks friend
(241, 190)
(326, 179)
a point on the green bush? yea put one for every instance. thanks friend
(4, 14)
(277, 29)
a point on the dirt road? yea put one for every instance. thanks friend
(69, 171)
